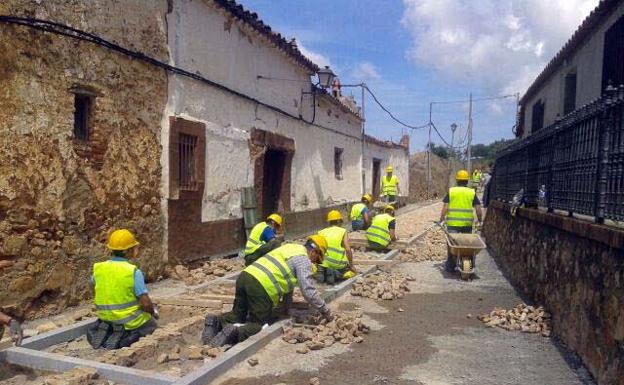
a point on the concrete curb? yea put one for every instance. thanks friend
(57, 336)
(53, 362)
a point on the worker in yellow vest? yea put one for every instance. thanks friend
(360, 213)
(382, 230)
(263, 238)
(123, 306)
(338, 261)
(261, 286)
(476, 178)
(458, 211)
(390, 185)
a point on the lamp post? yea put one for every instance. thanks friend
(451, 153)
(326, 77)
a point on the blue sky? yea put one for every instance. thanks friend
(412, 52)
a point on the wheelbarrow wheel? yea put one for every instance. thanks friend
(465, 269)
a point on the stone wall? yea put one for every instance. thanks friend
(574, 268)
(60, 197)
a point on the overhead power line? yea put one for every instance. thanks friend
(390, 113)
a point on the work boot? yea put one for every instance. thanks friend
(212, 326)
(227, 336)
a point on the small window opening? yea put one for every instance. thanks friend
(569, 95)
(82, 113)
(187, 148)
(338, 153)
(537, 117)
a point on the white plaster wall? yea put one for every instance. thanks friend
(199, 43)
(398, 158)
(587, 60)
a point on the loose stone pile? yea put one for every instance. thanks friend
(431, 248)
(344, 328)
(210, 269)
(381, 285)
(527, 319)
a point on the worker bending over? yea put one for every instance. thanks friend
(361, 214)
(261, 286)
(15, 329)
(382, 230)
(123, 307)
(338, 261)
(263, 238)
(390, 185)
(458, 211)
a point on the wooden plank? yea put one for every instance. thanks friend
(57, 336)
(207, 303)
(218, 297)
(373, 262)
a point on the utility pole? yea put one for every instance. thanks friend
(362, 86)
(429, 152)
(470, 135)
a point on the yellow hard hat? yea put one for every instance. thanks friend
(122, 239)
(367, 197)
(334, 215)
(389, 208)
(320, 242)
(389, 169)
(276, 218)
(462, 175)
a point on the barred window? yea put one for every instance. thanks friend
(187, 149)
(338, 152)
(82, 114)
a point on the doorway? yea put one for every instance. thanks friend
(376, 177)
(273, 178)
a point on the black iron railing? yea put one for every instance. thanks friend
(578, 162)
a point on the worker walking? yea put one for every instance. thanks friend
(261, 286)
(123, 306)
(263, 238)
(458, 211)
(382, 230)
(338, 261)
(390, 185)
(476, 178)
(360, 213)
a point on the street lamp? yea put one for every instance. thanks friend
(326, 77)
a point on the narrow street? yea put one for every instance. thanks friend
(447, 343)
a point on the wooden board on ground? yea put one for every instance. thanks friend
(374, 262)
(218, 297)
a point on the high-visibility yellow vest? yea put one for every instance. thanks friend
(115, 301)
(336, 256)
(389, 186)
(356, 212)
(254, 242)
(460, 212)
(273, 272)
(476, 176)
(379, 230)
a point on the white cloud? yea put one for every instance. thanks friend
(317, 58)
(365, 71)
(501, 44)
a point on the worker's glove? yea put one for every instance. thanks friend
(16, 332)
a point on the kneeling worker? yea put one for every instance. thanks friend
(122, 304)
(382, 230)
(338, 262)
(263, 238)
(360, 213)
(261, 286)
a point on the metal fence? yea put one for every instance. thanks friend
(578, 161)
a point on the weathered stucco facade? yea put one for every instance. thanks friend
(59, 196)
(95, 139)
(380, 154)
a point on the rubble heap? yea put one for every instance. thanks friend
(381, 285)
(319, 334)
(522, 317)
(431, 248)
(208, 270)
